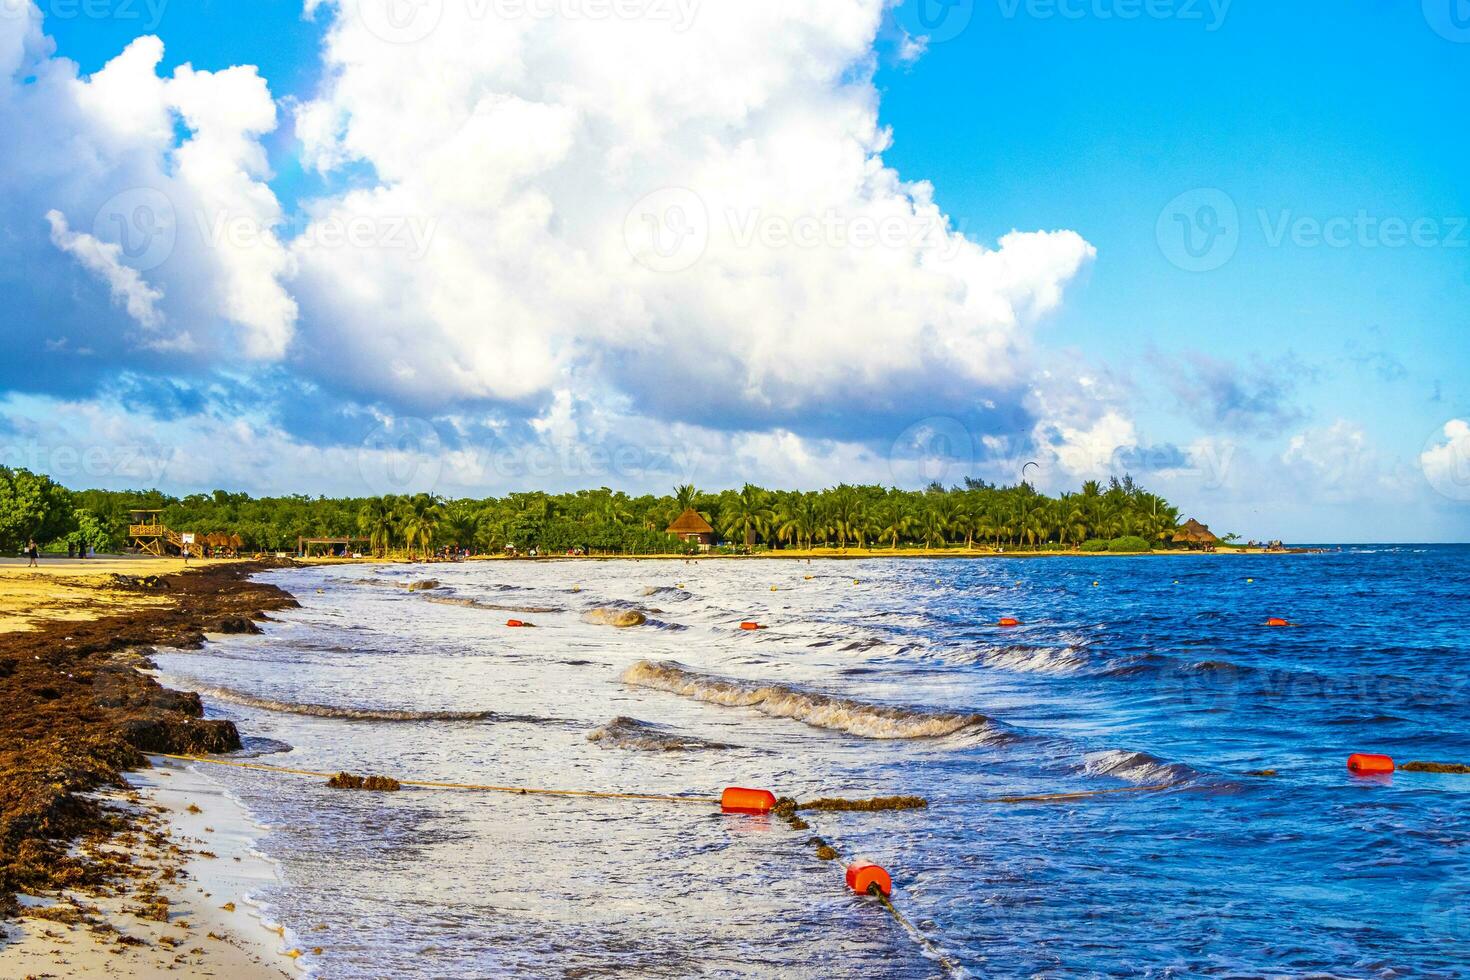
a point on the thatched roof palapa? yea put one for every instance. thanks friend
(1193, 532)
(690, 522)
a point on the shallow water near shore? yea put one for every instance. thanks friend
(873, 677)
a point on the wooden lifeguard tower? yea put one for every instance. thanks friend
(149, 535)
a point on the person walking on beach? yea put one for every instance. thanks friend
(32, 552)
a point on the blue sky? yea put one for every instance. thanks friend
(1271, 381)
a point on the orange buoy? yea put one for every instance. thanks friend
(1009, 621)
(862, 875)
(514, 623)
(1277, 621)
(738, 799)
(750, 626)
(1367, 764)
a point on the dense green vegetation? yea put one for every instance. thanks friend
(1120, 516)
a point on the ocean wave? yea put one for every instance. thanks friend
(254, 746)
(613, 615)
(644, 736)
(353, 713)
(1037, 660)
(492, 606)
(817, 710)
(1137, 767)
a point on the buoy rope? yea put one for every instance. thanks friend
(474, 787)
(938, 955)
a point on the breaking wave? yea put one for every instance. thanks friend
(1037, 660)
(359, 714)
(492, 606)
(1136, 767)
(817, 710)
(630, 733)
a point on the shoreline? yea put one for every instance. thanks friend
(113, 861)
(213, 926)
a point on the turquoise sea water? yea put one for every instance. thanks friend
(873, 677)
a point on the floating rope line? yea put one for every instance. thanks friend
(473, 787)
(951, 966)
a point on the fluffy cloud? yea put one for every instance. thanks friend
(1446, 460)
(143, 190)
(104, 259)
(688, 206)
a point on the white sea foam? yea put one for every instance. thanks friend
(818, 710)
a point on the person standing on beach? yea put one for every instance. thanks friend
(32, 552)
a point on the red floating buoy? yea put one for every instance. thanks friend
(513, 623)
(1367, 764)
(862, 875)
(1009, 621)
(750, 626)
(738, 799)
(1277, 621)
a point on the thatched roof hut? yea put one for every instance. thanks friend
(690, 526)
(1195, 534)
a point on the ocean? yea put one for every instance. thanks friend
(1263, 856)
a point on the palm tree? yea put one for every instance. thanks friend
(747, 514)
(893, 519)
(420, 521)
(798, 518)
(375, 519)
(933, 526)
(845, 511)
(684, 496)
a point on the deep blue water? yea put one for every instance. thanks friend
(872, 679)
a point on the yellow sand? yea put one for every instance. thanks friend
(71, 591)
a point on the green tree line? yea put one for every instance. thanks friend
(605, 521)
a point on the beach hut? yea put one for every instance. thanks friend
(690, 526)
(1195, 535)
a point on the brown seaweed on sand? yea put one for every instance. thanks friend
(78, 715)
(377, 784)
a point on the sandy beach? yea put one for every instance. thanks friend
(148, 870)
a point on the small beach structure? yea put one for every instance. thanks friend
(1195, 535)
(330, 547)
(690, 526)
